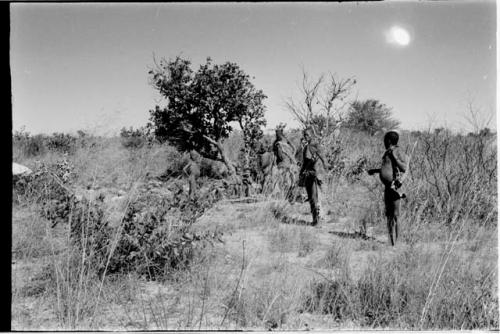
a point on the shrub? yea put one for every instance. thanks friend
(459, 172)
(28, 146)
(371, 116)
(61, 143)
(47, 182)
(134, 139)
(156, 238)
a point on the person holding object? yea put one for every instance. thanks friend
(394, 166)
(308, 176)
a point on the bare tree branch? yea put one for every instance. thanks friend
(322, 100)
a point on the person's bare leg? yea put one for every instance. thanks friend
(389, 230)
(314, 203)
(192, 186)
(389, 212)
(397, 205)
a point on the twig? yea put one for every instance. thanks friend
(269, 307)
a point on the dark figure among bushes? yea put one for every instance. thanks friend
(394, 162)
(308, 176)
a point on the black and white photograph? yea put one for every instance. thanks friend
(254, 166)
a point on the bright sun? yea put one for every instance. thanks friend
(397, 35)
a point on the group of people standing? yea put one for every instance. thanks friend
(284, 157)
(308, 176)
(392, 171)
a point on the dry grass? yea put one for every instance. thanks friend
(442, 275)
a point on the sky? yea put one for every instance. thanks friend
(85, 65)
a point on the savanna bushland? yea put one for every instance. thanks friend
(105, 235)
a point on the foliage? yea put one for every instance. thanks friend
(28, 145)
(137, 138)
(157, 239)
(61, 142)
(46, 184)
(370, 116)
(204, 103)
(324, 125)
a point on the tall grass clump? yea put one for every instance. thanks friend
(413, 290)
(266, 302)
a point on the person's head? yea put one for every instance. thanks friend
(391, 138)
(308, 134)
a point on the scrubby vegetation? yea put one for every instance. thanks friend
(106, 236)
(87, 248)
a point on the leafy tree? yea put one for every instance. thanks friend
(202, 106)
(370, 116)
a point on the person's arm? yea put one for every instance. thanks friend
(374, 171)
(400, 159)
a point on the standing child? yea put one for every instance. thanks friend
(192, 171)
(394, 165)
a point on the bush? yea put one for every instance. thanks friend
(157, 239)
(134, 139)
(61, 143)
(459, 173)
(371, 116)
(47, 182)
(28, 146)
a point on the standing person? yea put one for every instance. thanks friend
(394, 164)
(308, 174)
(265, 162)
(192, 171)
(284, 153)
